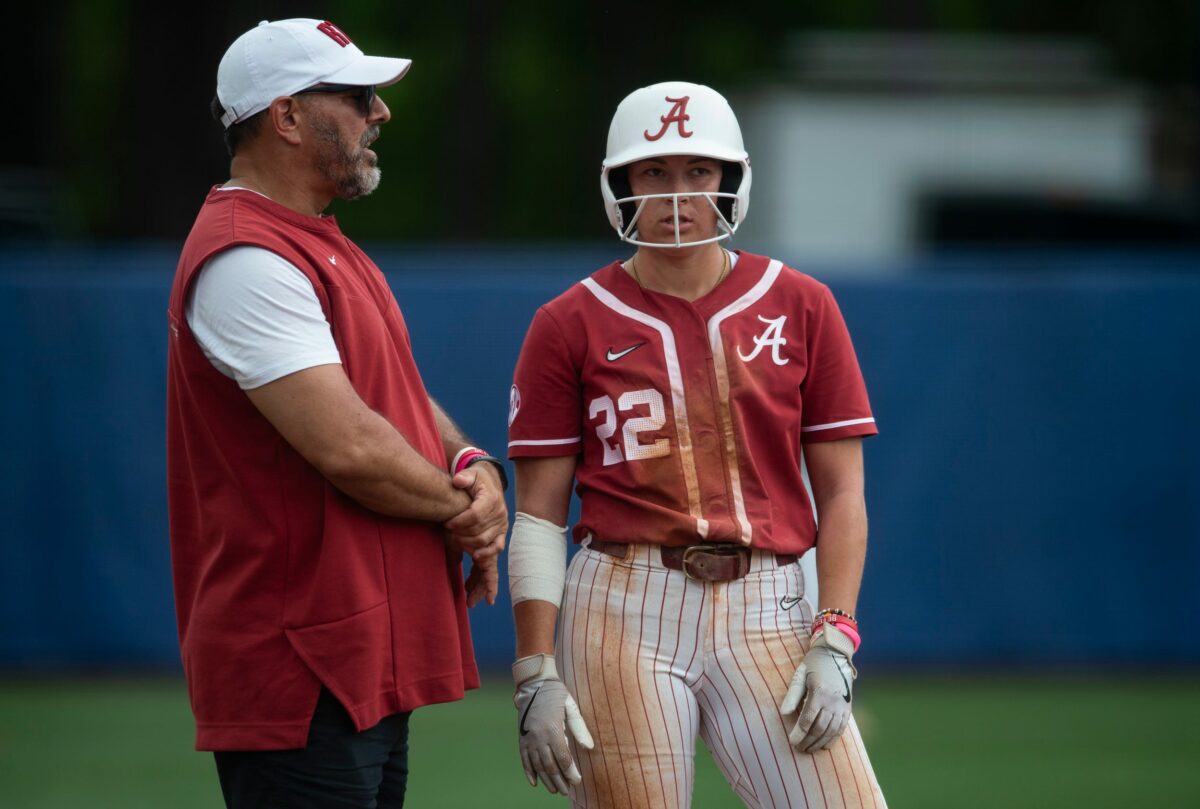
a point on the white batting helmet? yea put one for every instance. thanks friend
(675, 118)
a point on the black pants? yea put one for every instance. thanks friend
(338, 769)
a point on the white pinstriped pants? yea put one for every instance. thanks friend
(653, 658)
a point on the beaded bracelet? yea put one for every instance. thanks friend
(834, 620)
(835, 611)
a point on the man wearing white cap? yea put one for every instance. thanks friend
(320, 500)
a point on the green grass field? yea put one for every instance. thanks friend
(966, 743)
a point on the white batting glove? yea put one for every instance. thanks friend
(821, 689)
(547, 711)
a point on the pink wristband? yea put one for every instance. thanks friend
(847, 628)
(464, 457)
(851, 633)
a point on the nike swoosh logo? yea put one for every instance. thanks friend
(787, 602)
(525, 713)
(845, 682)
(613, 356)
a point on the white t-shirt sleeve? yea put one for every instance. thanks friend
(257, 317)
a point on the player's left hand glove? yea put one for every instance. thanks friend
(547, 712)
(821, 689)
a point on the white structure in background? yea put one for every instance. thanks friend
(875, 123)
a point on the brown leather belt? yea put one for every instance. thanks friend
(706, 562)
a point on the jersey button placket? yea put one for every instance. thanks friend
(720, 450)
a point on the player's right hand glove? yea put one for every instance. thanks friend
(821, 689)
(546, 711)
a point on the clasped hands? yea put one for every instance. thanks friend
(480, 530)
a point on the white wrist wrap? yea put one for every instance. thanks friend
(534, 667)
(537, 560)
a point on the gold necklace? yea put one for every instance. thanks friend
(724, 270)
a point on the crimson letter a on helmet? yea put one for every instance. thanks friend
(677, 115)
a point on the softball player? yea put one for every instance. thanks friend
(677, 390)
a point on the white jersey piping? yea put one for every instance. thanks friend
(833, 425)
(545, 442)
(678, 402)
(722, 369)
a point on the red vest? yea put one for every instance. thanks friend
(282, 582)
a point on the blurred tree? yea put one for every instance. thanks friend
(497, 133)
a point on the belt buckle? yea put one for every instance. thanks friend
(712, 549)
(687, 554)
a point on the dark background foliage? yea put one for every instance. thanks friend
(497, 132)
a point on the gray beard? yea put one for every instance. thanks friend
(351, 172)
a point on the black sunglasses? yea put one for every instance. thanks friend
(363, 95)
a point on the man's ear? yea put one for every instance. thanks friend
(285, 116)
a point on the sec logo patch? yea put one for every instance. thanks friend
(514, 404)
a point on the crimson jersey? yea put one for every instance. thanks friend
(689, 416)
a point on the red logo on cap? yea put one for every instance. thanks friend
(333, 32)
(677, 115)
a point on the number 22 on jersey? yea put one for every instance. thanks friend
(630, 447)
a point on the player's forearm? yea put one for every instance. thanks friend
(543, 499)
(544, 487)
(841, 550)
(535, 622)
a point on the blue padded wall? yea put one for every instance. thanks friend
(1036, 481)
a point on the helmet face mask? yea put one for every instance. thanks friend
(629, 233)
(675, 118)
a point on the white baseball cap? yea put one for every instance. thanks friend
(281, 58)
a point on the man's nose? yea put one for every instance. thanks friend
(380, 113)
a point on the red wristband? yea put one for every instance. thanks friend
(847, 626)
(464, 457)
